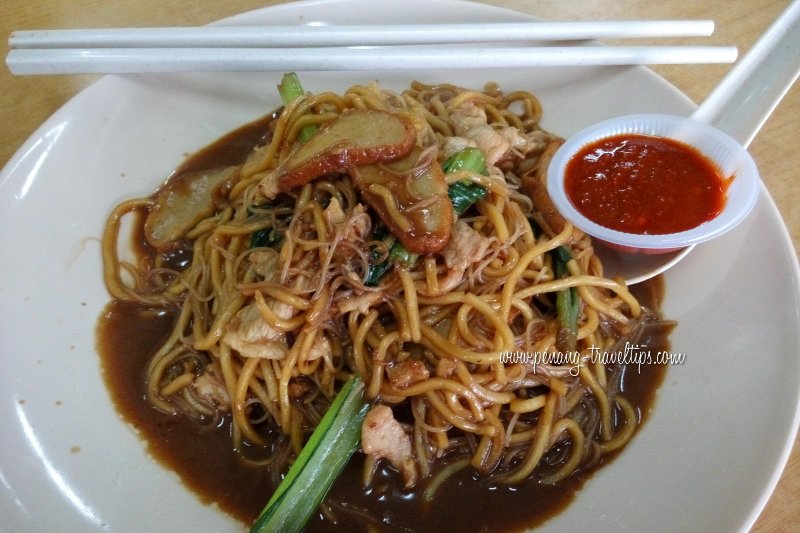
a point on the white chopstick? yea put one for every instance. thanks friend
(314, 36)
(325, 48)
(152, 60)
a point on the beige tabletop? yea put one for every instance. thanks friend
(25, 102)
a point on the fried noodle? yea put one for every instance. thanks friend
(268, 333)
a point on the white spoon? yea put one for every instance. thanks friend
(738, 106)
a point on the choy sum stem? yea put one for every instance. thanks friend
(291, 89)
(319, 464)
(567, 304)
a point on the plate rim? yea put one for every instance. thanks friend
(27, 148)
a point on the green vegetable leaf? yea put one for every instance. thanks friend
(469, 158)
(398, 252)
(465, 193)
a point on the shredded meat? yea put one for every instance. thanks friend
(383, 437)
(453, 145)
(360, 302)
(268, 186)
(466, 247)
(473, 129)
(265, 264)
(471, 123)
(526, 144)
(334, 215)
(357, 225)
(346, 228)
(403, 375)
(445, 367)
(321, 347)
(251, 336)
(210, 388)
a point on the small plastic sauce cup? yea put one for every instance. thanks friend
(731, 159)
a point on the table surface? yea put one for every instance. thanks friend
(25, 102)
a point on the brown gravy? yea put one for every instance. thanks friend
(127, 334)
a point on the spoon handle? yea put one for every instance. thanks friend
(751, 90)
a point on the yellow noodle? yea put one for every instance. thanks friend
(527, 405)
(411, 305)
(240, 402)
(177, 384)
(379, 360)
(539, 443)
(576, 450)
(629, 425)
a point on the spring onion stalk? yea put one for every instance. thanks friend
(464, 193)
(567, 304)
(290, 89)
(319, 464)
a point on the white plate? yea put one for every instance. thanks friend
(707, 459)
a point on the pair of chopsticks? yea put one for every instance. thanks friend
(326, 48)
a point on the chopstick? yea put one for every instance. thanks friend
(160, 60)
(383, 35)
(327, 48)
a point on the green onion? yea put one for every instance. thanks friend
(290, 90)
(568, 304)
(319, 464)
(464, 193)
